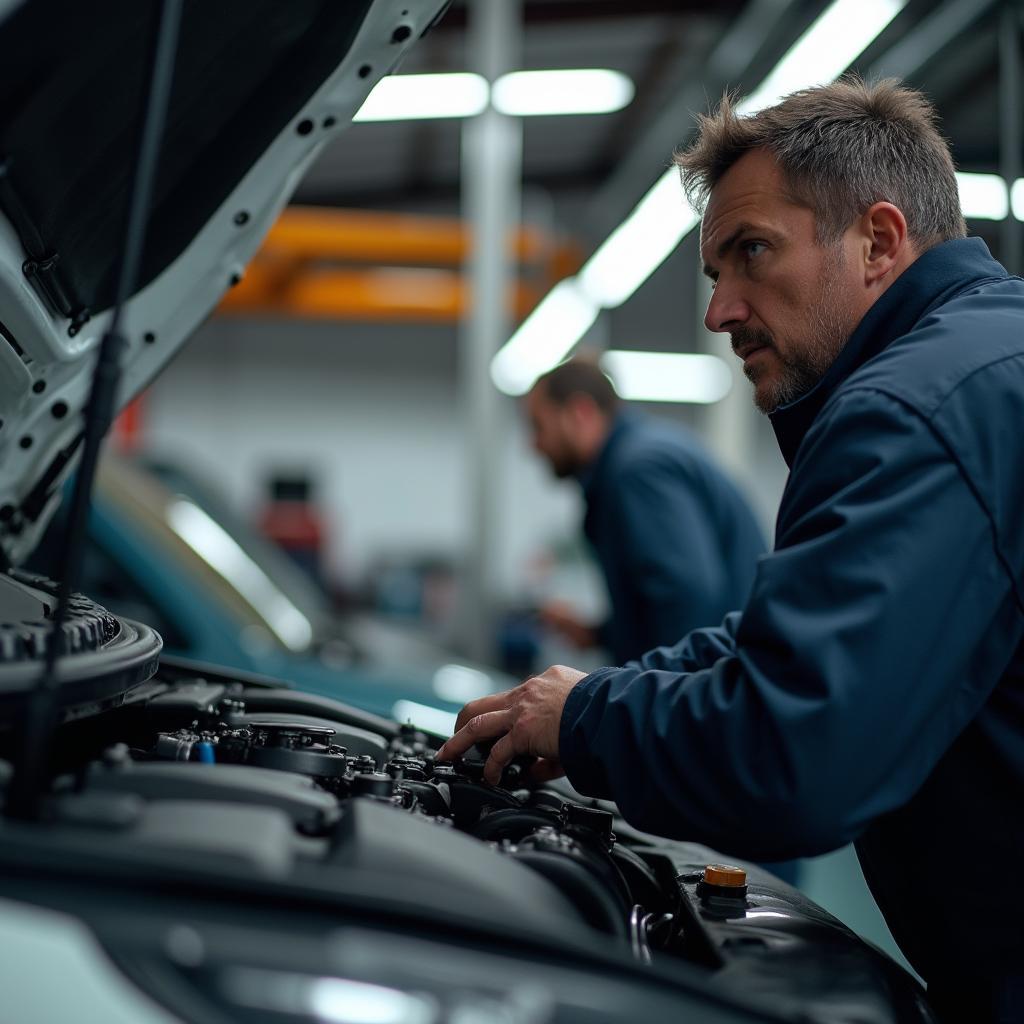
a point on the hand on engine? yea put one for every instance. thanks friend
(526, 718)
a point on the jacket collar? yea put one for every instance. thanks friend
(930, 280)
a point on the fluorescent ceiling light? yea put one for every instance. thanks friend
(639, 245)
(425, 717)
(983, 196)
(573, 91)
(414, 97)
(1017, 199)
(564, 315)
(657, 224)
(668, 376)
(832, 43)
(208, 539)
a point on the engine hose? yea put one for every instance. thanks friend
(589, 894)
(512, 823)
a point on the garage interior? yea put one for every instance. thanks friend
(356, 368)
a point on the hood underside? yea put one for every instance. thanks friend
(258, 87)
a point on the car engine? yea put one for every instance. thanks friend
(241, 850)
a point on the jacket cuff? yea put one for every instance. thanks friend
(583, 771)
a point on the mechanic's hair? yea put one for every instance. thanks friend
(579, 376)
(841, 147)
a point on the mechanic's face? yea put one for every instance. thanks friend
(553, 433)
(787, 302)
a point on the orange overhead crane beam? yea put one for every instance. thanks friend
(367, 236)
(309, 266)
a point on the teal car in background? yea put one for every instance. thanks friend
(164, 550)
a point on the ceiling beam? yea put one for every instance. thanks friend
(928, 38)
(733, 59)
(625, 127)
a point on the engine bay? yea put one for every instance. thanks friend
(208, 828)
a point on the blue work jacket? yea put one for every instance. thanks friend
(872, 688)
(676, 541)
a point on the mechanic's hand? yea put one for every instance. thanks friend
(561, 617)
(527, 720)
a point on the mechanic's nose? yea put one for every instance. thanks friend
(725, 310)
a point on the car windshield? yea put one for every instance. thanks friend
(253, 581)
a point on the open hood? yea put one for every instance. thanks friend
(259, 86)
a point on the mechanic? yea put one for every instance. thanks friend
(872, 688)
(674, 538)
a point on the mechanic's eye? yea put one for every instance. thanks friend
(753, 249)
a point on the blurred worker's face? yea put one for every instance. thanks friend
(555, 432)
(788, 303)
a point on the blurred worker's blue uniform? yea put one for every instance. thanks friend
(873, 687)
(674, 538)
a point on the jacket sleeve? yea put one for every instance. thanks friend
(853, 666)
(669, 544)
(700, 648)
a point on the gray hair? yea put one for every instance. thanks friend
(841, 148)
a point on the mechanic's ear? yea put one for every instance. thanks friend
(884, 230)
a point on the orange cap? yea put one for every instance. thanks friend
(725, 875)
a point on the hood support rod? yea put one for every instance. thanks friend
(35, 745)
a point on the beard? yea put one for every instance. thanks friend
(810, 356)
(564, 467)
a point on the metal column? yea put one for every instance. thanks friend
(1010, 139)
(491, 197)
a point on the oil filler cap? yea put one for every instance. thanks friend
(725, 874)
(722, 881)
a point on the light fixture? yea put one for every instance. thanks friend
(983, 196)
(215, 546)
(668, 376)
(564, 315)
(571, 91)
(658, 223)
(1017, 199)
(519, 93)
(835, 40)
(415, 97)
(638, 246)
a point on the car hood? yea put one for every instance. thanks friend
(259, 87)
